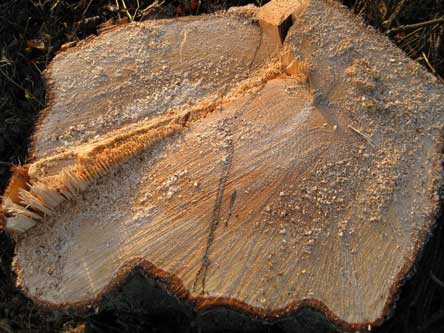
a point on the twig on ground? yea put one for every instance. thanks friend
(416, 25)
(388, 23)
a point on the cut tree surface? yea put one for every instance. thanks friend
(261, 159)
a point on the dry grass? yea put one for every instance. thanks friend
(416, 26)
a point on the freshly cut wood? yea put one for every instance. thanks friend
(262, 159)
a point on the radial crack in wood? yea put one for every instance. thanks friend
(245, 163)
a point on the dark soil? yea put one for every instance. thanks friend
(31, 32)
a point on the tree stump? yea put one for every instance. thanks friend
(261, 159)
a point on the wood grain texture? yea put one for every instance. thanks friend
(139, 72)
(287, 190)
